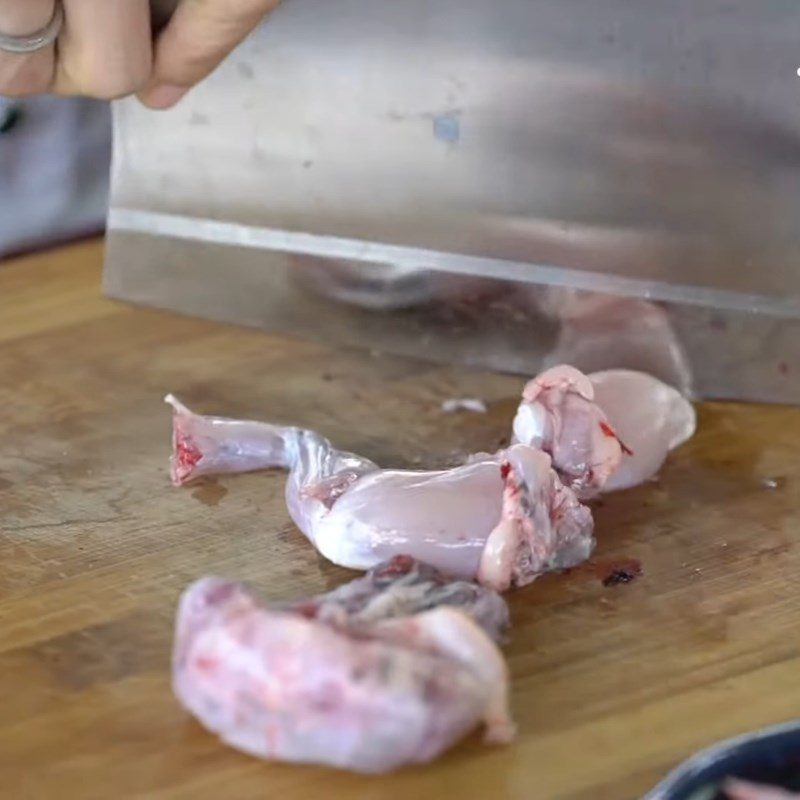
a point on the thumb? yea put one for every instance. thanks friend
(199, 36)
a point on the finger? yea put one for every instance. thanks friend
(196, 40)
(26, 73)
(105, 50)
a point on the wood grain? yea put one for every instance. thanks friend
(612, 685)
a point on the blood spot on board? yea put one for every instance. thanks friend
(618, 572)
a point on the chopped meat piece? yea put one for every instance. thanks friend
(217, 445)
(606, 431)
(505, 517)
(357, 515)
(558, 414)
(360, 689)
(542, 525)
(649, 416)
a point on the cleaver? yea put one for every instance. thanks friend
(503, 184)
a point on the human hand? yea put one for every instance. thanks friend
(106, 48)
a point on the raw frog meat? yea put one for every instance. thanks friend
(392, 669)
(505, 518)
(606, 431)
(651, 418)
(558, 415)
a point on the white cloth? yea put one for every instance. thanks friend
(54, 170)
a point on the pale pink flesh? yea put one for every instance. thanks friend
(542, 524)
(206, 445)
(281, 682)
(603, 432)
(559, 415)
(651, 418)
(447, 631)
(366, 696)
(606, 431)
(358, 515)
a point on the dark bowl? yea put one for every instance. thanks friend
(770, 756)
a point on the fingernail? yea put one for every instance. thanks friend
(164, 96)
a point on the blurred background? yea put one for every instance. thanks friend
(54, 170)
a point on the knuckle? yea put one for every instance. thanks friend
(111, 86)
(111, 89)
(103, 84)
(186, 64)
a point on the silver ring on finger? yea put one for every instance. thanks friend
(35, 41)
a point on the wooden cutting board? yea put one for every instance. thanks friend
(612, 685)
